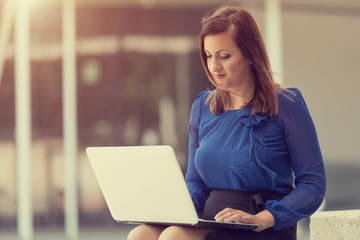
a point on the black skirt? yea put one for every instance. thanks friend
(251, 202)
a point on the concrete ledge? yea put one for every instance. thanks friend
(335, 225)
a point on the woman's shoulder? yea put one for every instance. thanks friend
(203, 94)
(201, 98)
(291, 102)
(197, 107)
(290, 97)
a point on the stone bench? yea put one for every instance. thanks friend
(335, 225)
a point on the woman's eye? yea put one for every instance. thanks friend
(224, 56)
(208, 56)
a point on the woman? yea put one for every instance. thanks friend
(254, 156)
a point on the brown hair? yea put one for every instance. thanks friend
(248, 39)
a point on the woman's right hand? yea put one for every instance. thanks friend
(264, 218)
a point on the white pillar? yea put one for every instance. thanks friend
(70, 118)
(7, 18)
(167, 122)
(273, 37)
(23, 120)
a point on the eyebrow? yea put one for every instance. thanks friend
(216, 51)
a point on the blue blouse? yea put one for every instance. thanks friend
(240, 151)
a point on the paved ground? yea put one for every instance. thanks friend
(87, 233)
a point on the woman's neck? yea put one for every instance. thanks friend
(242, 96)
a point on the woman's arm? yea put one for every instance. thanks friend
(198, 191)
(307, 163)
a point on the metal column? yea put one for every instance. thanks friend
(70, 118)
(23, 120)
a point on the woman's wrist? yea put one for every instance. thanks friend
(266, 219)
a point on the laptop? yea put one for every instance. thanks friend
(145, 184)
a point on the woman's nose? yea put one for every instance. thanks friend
(215, 65)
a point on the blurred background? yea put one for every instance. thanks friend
(137, 71)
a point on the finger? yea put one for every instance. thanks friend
(224, 211)
(224, 216)
(231, 215)
(237, 217)
(227, 210)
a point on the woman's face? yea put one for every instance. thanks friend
(226, 64)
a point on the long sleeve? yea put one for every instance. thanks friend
(198, 191)
(306, 159)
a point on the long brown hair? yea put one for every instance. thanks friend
(248, 39)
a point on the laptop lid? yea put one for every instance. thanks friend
(143, 184)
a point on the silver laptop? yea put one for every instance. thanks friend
(145, 184)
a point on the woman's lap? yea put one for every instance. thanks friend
(150, 232)
(155, 232)
(184, 233)
(217, 200)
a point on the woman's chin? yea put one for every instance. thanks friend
(222, 85)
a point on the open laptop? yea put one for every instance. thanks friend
(145, 184)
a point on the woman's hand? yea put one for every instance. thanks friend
(264, 218)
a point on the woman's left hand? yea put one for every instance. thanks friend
(264, 218)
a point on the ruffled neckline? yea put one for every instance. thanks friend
(251, 120)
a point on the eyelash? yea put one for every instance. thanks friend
(221, 57)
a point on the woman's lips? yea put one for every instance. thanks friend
(219, 76)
